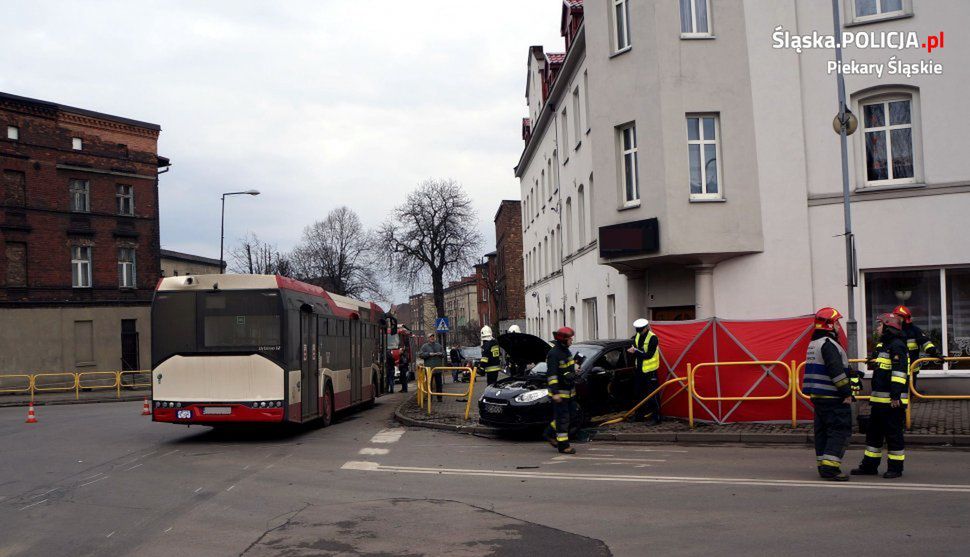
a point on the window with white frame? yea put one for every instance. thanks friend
(80, 191)
(611, 315)
(586, 97)
(581, 213)
(77, 143)
(703, 153)
(876, 8)
(695, 20)
(554, 176)
(126, 267)
(590, 319)
(621, 25)
(628, 165)
(565, 132)
(888, 137)
(577, 122)
(13, 132)
(126, 199)
(81, 266)
(542, 192)
(568, 217)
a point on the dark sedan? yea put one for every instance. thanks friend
(604, 385)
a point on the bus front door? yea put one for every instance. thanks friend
(308, 365)
(356, 363)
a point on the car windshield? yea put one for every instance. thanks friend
(586, 351)
(471, 352)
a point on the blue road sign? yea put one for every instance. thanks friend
(441, 325)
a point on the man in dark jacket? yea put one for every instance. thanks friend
(454, 360)
(829, 381)
(916, 339)
(433, 355)
(561, 381)
(491, 362)
(890, 395)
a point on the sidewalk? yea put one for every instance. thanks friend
(940, 423)
(67, 397)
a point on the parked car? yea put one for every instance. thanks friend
(604, 384)
(470, 355)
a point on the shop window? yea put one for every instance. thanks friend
(958, 316)
(918, 290)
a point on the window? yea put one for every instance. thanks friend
(16, 264)
(590, 319)
(702, 153)
(621, 25)
(241, 319)
(81, 266)
(586, 98)
(13, 132)
(126, 267)
(554, 178)
(80, 196)
(888, 127)
(542, 192)
(581, 210)
(957, 331)
(694, 18)
(577, 123)
(628, 165)
(569, 225)
(611, 315)
(572, 317)
(565, 133)
(869, 8)
(76, 143)
(592, 212)
(14, 188)
(126, 199)
(918, 290)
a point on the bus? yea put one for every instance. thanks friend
(261, 348)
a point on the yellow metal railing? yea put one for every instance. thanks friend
(691, 385)
(468, 394)
(67, 381)
(18, 390)
(655, 392)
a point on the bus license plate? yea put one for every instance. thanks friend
(217, 410)
(183, 414)
(493, 408)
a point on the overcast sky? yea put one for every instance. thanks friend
(315, 103)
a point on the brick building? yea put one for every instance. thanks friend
(509, 283)
(485, 276)
(80, 237)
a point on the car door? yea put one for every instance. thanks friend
(623, 395)
(600, 380)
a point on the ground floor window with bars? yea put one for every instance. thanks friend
(126, 267)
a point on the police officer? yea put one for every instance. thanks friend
(916, 339)
(829, 383)
(490, 364)
(561, 381)
(646, 349)
(890, 394)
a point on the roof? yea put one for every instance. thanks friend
(169, 254)
(80, 111)
(556, 57)
(574, 3)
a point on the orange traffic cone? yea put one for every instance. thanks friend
(31, 418)
(145, 410)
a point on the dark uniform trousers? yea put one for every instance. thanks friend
(833, 428)
(644, 384)
(565, 416)
(885, 424)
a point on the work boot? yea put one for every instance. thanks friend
(567, 450)
(835, 477)
(892, 474)
(860, 471)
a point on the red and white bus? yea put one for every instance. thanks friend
(260, 348)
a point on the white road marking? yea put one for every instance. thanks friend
(40, 495)
(375, 467)
(132, 468)
(246, 467)
(198, 490)
(109, 535)
(167, 530)
(388, 435)
(94, 481)
(168, 453)
(32, 505)
(639, 450)
(372, 450)
(612, 459)
(94, 476)
(230, 487)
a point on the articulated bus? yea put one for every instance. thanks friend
(260, 348)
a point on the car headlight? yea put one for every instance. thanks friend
(532, 396)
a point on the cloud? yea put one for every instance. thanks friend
(315, 103)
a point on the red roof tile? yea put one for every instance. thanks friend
(574, 3)
(556, 57)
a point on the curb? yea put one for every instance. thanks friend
(922, 440)
(24, 404)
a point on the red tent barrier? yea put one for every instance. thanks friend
(720, 340)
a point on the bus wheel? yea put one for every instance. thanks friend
(373, 390)
(327, 417)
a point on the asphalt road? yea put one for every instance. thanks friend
(100, 479)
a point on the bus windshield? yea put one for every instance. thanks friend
(393, 342)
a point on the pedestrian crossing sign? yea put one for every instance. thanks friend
(441, 325)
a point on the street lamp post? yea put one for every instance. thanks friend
(222, 228)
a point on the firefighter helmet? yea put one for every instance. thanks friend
(903, 313)
(891, 320)
(486, 333)
(515, 329)
(562, 333)
(827, 318)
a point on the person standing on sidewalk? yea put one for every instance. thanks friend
(434, 356)
(829, 383)
(404, 367)
(646, 350)
(454, 357)
(890, 395)
(491, 362)
(389, 368)
(916, 340)
(561, 381)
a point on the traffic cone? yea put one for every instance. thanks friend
(145, 410)
(31, 418)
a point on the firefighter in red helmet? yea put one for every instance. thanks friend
(890, 395)
(916, 339)
(831, 384)
(561, 380)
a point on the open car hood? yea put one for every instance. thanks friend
(523, 348)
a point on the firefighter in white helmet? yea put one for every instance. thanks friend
(515, 329)
(646, 350)
(490, 364)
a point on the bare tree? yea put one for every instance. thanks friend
(336, 254)
(252, 256)
(469, 334)
(433, 235)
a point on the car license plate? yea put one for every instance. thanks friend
(183, 414)
(217, 410)
(493, 408)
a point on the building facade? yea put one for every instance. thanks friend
(485, 276)
(507, 271)
(174, 264)
(718, 175)
(461, 306)
(422, 313)
(80, 237)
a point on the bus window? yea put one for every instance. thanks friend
(241, 319)
(173, 324)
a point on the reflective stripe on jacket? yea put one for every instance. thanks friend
(890, 380)
(561, 371)
(821, 381)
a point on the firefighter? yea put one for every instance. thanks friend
(561, 378)
(490, 364)
(646, 348)
(916, 339)
(831, 384)
(888, 401)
